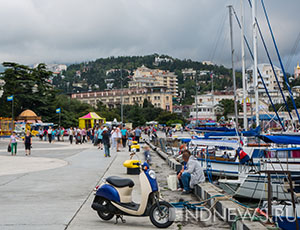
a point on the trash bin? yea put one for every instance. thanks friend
(132, 167)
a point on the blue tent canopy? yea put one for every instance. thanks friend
(250, 133)
(281, 139)
(265, 117)
(214, 129)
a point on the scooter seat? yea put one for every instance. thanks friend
(120, 182)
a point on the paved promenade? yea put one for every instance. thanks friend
(36, 197)
(53, 188)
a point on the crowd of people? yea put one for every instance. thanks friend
(102, 136)
(117, 137)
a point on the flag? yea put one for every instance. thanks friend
(58, 110)
(10, 98)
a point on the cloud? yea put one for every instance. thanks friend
(70, 31)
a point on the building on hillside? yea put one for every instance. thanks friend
(188, 73)
(268, 76)
(297, 71)
(207, 63)
(145, 77)
(54, 67)
(204, 72)
(2, 83)
(296, 89)
(158, 96)
(214, 98)
(208, 108)
(159, 60)
(183, 110)
(116, 70)
(81, 84)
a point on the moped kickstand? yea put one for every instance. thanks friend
(120, 217)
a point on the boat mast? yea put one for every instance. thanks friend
(233, 70)
(212, 93)
(196, 76)
(243, 68)
(255, 81)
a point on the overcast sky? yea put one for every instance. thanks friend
(68, 31)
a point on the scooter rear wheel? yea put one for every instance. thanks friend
(164, 218)
(102, 214)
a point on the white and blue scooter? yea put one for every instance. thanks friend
(113, 197)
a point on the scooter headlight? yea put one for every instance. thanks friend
(152, 174)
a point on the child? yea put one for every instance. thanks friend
(147, 154)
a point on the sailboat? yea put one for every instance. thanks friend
(251, 182)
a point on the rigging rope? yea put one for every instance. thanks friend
(271, 63)
(293, 51)
(280, 61)
(259, 73)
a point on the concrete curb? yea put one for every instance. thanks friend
(227, 210)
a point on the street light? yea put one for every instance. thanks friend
(121, 97)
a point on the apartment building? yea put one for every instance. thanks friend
(145, 77)
(268, 76)
(158, 96)
(208, 104)
(188, 73)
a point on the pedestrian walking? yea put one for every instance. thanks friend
(106, 142)
(28, 143)
(53, 134)
(45, 134)
(100, 137)
(124, 136)
(62, 132)
(114, 138)
(95, 136)
(50, 135)
(137, 134)
(58, 134)
(41, 134)
(71, 135)
(147, 154)
(118, 138)
(13, 143)
(88, 134)
(78, 136)
(83, 133)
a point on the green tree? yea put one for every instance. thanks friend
(30, 88)
(164, 117)
(227, 106)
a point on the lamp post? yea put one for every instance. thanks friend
(121, 97)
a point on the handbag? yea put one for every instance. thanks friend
(9, 148)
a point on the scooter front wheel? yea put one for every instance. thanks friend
(103, 214)
(162, 214)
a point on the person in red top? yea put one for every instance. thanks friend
(242, 156)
